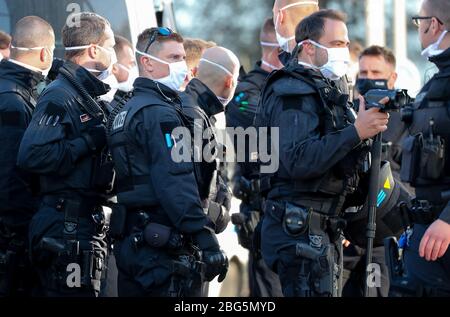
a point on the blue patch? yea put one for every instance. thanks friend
(381, 198)
(169, 140)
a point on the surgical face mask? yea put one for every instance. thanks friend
(338, 61)
(178, 72)
(283, 41)
(102, 74)
(44, 72)
(224, 101)
(1, 57)
(433, 49)
(133, 74)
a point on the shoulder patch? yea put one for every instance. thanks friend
(292, 103)
(10, 118)
(53, 115)
(167, 129)
(119, 121)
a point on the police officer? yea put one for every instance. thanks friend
(287, 14)
(5, 43)
(20, 76)
(321, 156)
(163, 220)
(377, 71)
(124, 72)
(194, 50)
(241, 112)
(205, 97)
(425, 159)
(65, 145)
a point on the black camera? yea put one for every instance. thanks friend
(398, 99)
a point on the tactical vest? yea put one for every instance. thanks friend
(204, 171)
(334, 115)
(8, 87)
(132, 164)
(426, 152)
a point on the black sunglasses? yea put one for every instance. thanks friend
(417, 20)
(161, 31)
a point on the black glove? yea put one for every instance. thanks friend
(95, 138)
(224, 195)
(216, 265)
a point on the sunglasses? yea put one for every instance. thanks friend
(161, 31)
(418, 19)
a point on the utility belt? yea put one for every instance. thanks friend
(146, 228)
(76, 208)
(298, 220)
(422, 212)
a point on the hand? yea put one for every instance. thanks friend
(95, 138)
(435, 242)
(216, 265)
(371, 122)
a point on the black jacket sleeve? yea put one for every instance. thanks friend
(45, 147)
(304, 152)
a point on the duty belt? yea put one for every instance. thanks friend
(423, 212)
(86, 207)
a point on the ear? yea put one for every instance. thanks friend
(146, 63)
(92, 52)
(195, 71)
(43, 55)
(115, 69)
(393, 79)
(281, 16)
(229, 82)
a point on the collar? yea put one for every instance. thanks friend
(145, 85)
(204, 98)
(20, 75)
(94, 86)
(442, 61)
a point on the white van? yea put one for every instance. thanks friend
(128, 18)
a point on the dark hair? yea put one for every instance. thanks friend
(89, 28)
(5, 40)
(386, 53)
(313, 26)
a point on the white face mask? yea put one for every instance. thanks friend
(111, 81)
(284, 41)
(178, 72)
(1, 57)
(224, 101)
(103, 75)
(133, 74)
(338, 61)
(44, 72)
(433, 49)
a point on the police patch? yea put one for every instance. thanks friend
(53, 115)
(119, 121)
(167, 129)
(85, 118)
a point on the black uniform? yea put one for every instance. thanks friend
(200, 105)
(321, 162)
(426, 166)
(65, 145)
(18, 201)
(164, 217)
(241, 112)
